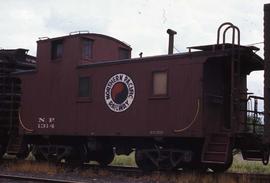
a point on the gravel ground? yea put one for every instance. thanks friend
(98, 175)
(81, 175)
(35, 169)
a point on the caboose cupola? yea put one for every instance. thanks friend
(76, 49)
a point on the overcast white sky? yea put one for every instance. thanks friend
(140, 23)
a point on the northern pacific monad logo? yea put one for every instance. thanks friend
(119, 92)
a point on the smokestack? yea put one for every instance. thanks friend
(267, 73)
(171, 40)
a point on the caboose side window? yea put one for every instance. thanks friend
(87, 48)
(57, 49)
(84, 87)
(123, 53)
(160, 83)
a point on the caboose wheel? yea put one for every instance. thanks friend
(222, 167)
(77, 156)
(105, 156)
(39, 157)
(195, 167)
(219, 168)
(37, 154)
(24, 152)
(3, 149)
(143, 162)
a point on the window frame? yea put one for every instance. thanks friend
(54, 44)
(159, 96)
(82, 39)
(123, 49)
(87, 98)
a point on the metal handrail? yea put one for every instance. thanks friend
(229, 26)
(219, 28)
(257, 128)
(233, 27)
(43, 38)
(79, 32)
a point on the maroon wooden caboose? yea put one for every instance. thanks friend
(88, 99)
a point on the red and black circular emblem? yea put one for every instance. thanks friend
(119, 92)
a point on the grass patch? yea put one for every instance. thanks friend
(123, 160)
(241, 166)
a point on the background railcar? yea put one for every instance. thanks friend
(10, 95)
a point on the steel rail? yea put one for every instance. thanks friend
(37, 179)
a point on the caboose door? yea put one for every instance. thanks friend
(216, 92)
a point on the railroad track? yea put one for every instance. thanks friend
(238, 177)
(23, 178)
(261, 178)
(127, 172)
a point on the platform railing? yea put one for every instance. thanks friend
(254, 121)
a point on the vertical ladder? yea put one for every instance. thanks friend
(235, 71)
(235, 100)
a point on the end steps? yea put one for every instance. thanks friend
(15, 145)
(217, 149)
